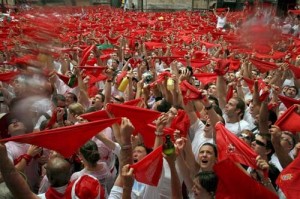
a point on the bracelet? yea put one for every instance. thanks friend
(26, 157)
(266, 182)
(126, 147)
(209, 107)
(157, 133)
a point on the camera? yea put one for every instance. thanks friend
(147, 76)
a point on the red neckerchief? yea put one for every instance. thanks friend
(53, 194)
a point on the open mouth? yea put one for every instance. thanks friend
(204, 161)
(135, 160)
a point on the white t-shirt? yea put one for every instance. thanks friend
(275, 160)
(138, 190)
(221, 22)
(14, 151)
(163, 189)
(199, 137)
(238, 127)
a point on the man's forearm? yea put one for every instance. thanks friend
(14, 181)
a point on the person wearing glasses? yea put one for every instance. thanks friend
(262, 145)
(284, 142)
(247, 136)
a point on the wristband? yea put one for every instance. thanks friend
(266, 182)
(26, 157)
(209, 107)
(159, 133)
(125, 147)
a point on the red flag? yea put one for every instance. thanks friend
(222, 67)
(234, 65)
(289, 179)
(85, 55)
(250, 83)
(134, 102)
(288, 121)
(181, 122)
(64, 140)
(229, 93)
(52, 119)
(148, 170)
(230, 146)
(296, 71)
(148, 134)
(154, 45)
(66, 79)
(94, 79)
(138, 116)
(93, 70)
(263, 66)
(245, 187)
(7, 77)
(94, 116)
(264, 95)
(189, 92)
(287, 101)
(206, 78)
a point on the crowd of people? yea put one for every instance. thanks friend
(88, 95)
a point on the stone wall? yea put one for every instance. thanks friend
(168, 4)
(175, 4)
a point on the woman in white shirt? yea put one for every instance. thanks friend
(221, 19)
(90, 157)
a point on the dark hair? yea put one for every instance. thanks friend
(102, 96)
(44, 124)
(213, 146)
(57, 97)
(297, 91)
(90, 152)
(240, 105)
(206, 87)
(218, 110)
(273, 175)
(208, 180)
(291, 136)
(148, 150)
(269, 144)
(147, 64)
(212, 98)
(164, 106)
(117, 61)
(75, 99)
(272, 117)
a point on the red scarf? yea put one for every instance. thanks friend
(53, 194)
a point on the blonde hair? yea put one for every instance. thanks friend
(76, 109)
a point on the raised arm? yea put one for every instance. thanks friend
(13, 179)
(221, 91)
(175, 182)
(283, 156)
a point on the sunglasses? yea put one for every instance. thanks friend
(12, 121)
(117, 99)
(286, 139)
(260, 143)
(245, 136)
(205, 123)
